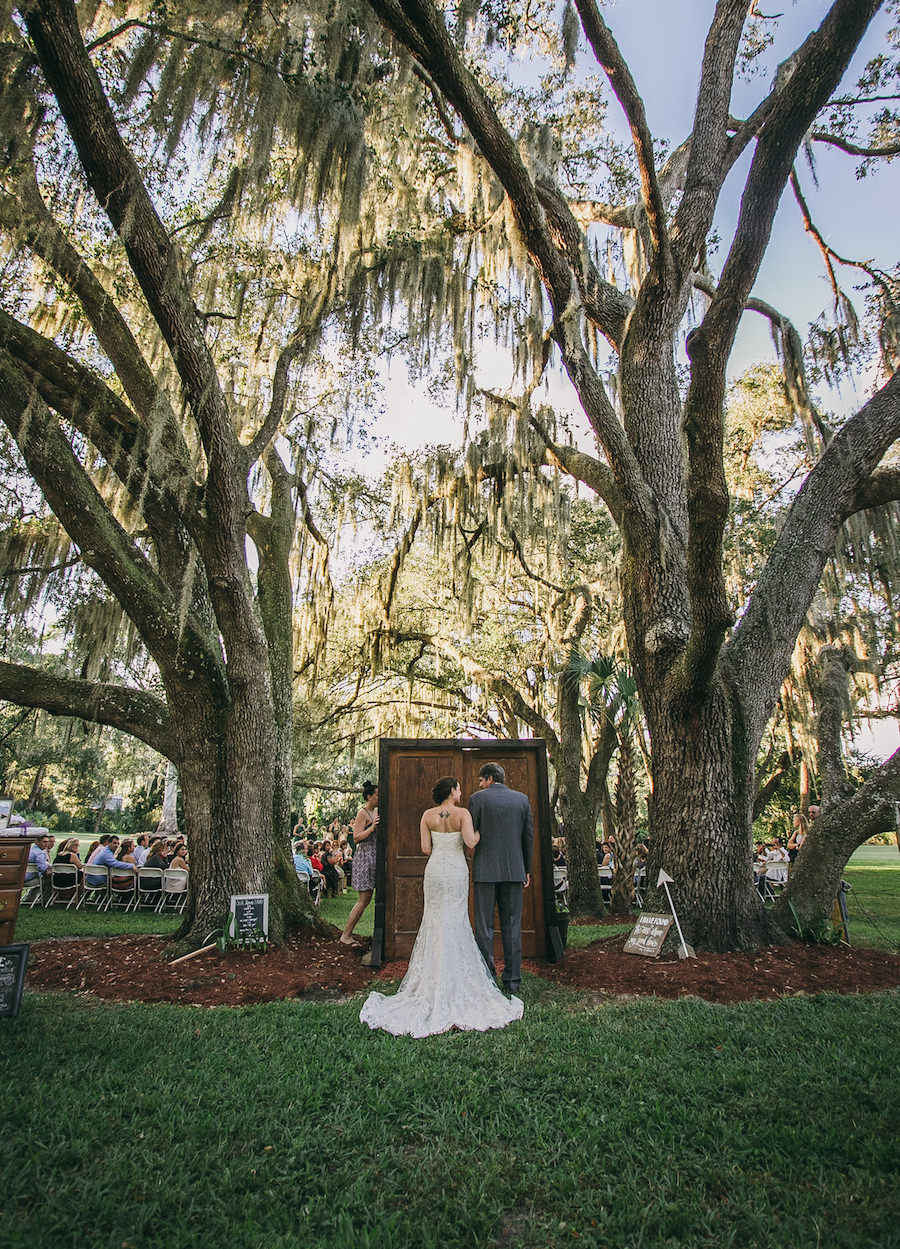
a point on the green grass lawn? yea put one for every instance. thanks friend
(646, 1123)
(873, 905)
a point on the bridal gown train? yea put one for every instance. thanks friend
(447, 984)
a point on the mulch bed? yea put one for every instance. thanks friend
(313, 967)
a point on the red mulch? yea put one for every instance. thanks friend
(313, 967)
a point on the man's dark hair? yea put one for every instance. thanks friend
(493, 772)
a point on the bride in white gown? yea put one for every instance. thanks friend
(448, 984)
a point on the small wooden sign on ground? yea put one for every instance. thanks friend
(648, 934)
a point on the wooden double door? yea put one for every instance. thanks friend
(408, 770)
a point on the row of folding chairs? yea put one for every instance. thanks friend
(104, 889)
(561, 885)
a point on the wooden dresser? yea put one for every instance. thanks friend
(13, 862)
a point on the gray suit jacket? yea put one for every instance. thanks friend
(503, 817)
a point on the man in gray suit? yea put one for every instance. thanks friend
(501, 868)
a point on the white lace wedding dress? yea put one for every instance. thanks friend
(447, 984)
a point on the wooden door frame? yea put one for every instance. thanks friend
(492, 749)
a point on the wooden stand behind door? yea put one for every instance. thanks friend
(408, 769)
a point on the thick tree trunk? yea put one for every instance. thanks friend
(580, 823)
(227, 776)
(579, 806)
(702, 830)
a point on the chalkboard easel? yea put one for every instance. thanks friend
(248, 922)
(13, 961)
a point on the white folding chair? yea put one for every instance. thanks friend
(561, 885)
(63, 884)
(147, 887)
(95, 890)
(316, 884)
(121, 888)
(33, 890)
(606, 875)
(640, 884)
(174, 889)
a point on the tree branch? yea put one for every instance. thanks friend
(155, 261)
(610, 57)
(760, 650)
(709, 138)
(882, 487)
(133, 711)
(604, 304)
(115, 179)
(166, 486)
(28, 218)
(887, 149)
(421, 28)
(103, 543)
(818, 68)
(828, 252)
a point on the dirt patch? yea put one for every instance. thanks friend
(773, 972)
(312, 967)
(134, 969)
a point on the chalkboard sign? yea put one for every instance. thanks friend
(648, 934)
(13, 961)
(249, 922)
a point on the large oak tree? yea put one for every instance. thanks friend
(708, 682)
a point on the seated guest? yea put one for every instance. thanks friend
(559, 855)
(180, 857)
(96, 847)
(169, 853)
(67, 855)
(307, 871)
(776, 862)
(606, 859)
(330, 869)
(141, 849)
(106, 856)
(125, 855)
(157, 855)
(302, 865)
(155, 858)
(38, 863)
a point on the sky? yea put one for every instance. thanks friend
(662, 42)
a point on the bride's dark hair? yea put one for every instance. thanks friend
(368, 790)
(443, 789)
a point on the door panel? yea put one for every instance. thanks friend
(408, 771)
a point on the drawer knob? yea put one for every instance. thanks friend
(3, 906)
